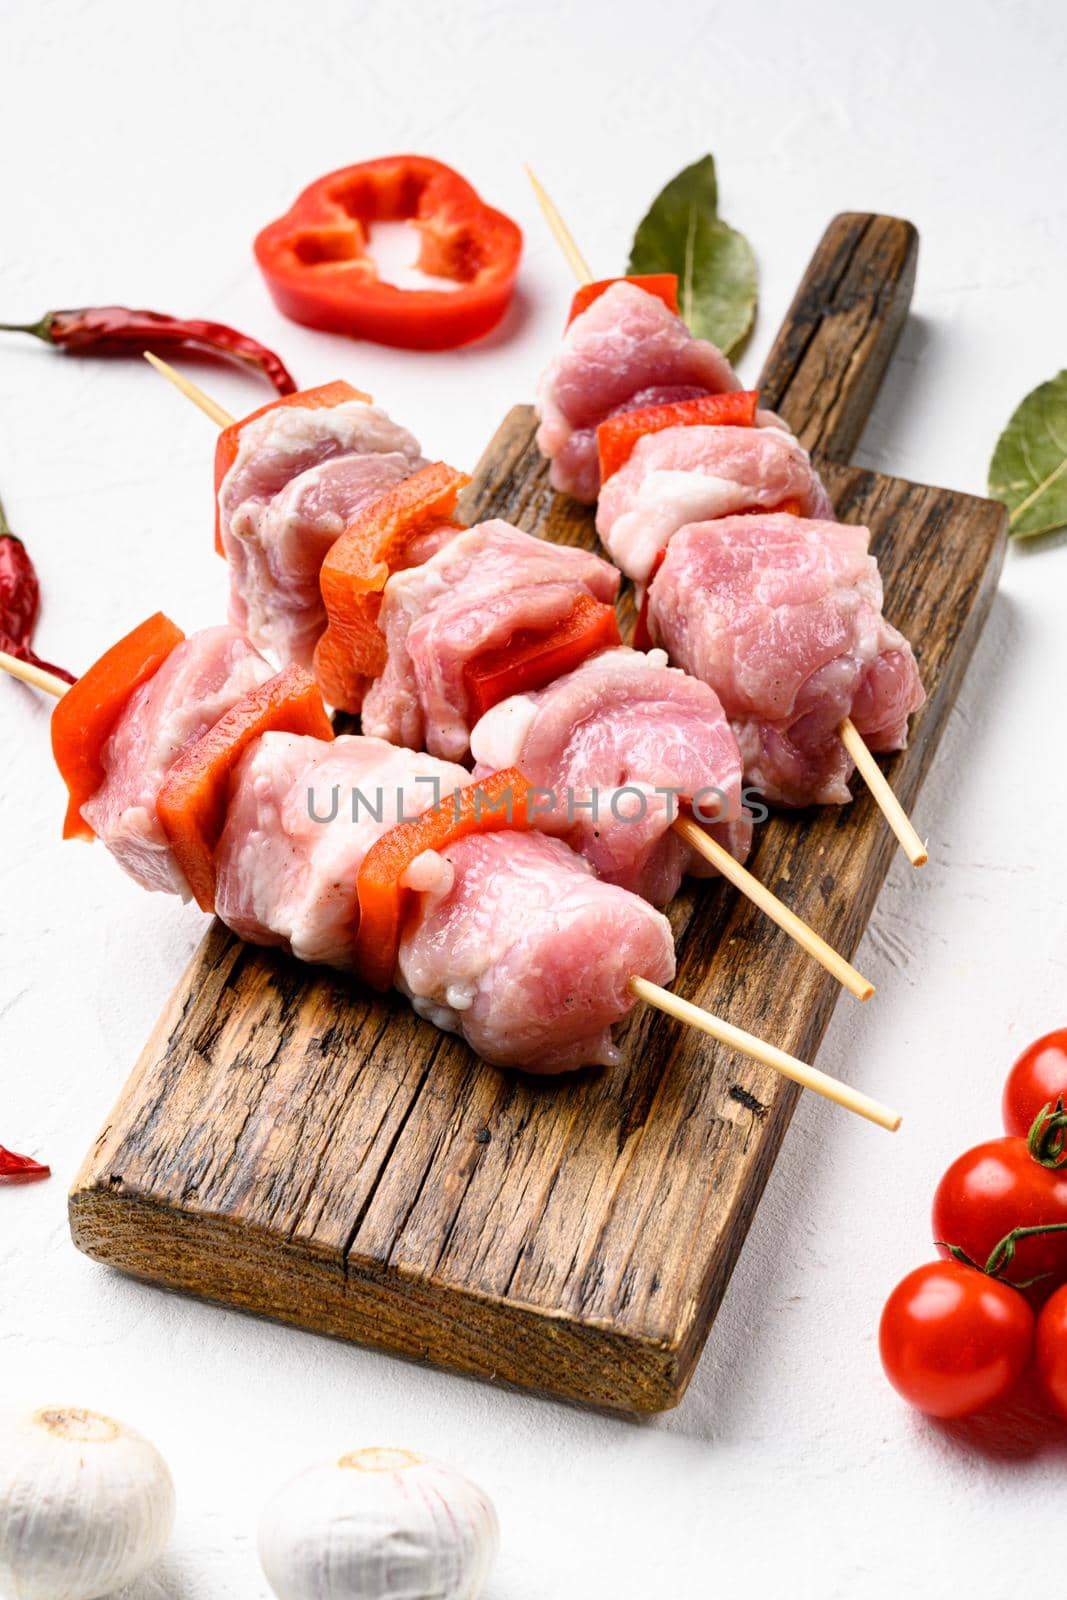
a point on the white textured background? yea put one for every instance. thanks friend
(143, 146)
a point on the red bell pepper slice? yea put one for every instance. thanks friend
(530, 659)
(664, 285)
(320, 271)
(191, 805)
(356, 569)
(486, 806)
(228, 443)
(83, 720)
(617, 436)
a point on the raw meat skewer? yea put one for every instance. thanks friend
(714, 852)
(886, 800)
(640, 988)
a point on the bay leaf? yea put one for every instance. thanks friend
(1028, 471)
(683, 233)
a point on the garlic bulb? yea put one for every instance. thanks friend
(85, 1505)
(378, 1525)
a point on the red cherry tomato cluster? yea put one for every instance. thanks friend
(957, 1334)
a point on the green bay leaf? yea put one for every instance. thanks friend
(716, 269)
(1028, 471)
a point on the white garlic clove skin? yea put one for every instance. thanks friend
(378, 1525)
(86, 1505)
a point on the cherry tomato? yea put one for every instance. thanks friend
(1037, 1079)
(952, 1340)
(994, 1188)
(1051, 1349)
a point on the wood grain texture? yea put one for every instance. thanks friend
(293, 1147)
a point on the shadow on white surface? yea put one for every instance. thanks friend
(166, 1581)
(878, 448)
(1020, 1430)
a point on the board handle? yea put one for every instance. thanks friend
(832, 350)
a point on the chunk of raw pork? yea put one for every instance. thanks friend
(476, 594)
(300, 477)
(615, 749)
(197, 684)
(625, 351)
(528, 955)
(684, 475)
(303, 814)
(783, 618)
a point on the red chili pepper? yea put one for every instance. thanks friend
(20, 601)
(117, 330)
(320, 272)
(13, 1166)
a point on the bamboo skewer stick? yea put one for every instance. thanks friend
(852, 740)
(26, 672)
(563, 236)
(192, 391)
(882, 794)
(776, 909)
(780, 913)
(651, 993)
(768, 1055)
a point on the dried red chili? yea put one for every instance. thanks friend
(20, 601)
(116, 330)
(13, 1166)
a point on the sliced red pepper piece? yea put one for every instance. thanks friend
(788, 508)
(15, 1166)
(664, 285)
(356, 569)
(228, 443)
(530, 660)
(191, 805)
(498, 801)
(617, 436)
(320, 272)
(83, 720)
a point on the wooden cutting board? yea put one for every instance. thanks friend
(291, 1146)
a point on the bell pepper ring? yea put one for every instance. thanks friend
(191, 805)
(617, 436)
(664, 285)
(319, 270)
(532, 660)
(228, 443)
(357, 567)
(83, 720)
(501, 800)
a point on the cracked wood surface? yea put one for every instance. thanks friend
(290, 1146)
